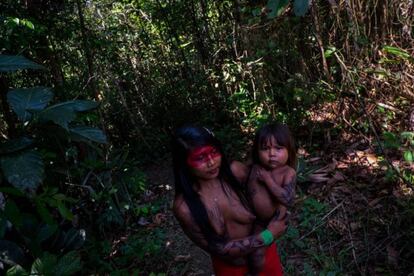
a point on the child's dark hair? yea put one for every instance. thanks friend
(283, 138)
(184, 140)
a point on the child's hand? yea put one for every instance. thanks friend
(263, 175)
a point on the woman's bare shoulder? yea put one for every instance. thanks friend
(239, 170)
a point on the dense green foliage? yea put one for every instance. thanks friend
(90, 91)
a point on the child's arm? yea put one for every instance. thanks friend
(285, 193)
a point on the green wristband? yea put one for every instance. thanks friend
(267, 237)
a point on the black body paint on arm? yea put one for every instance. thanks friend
(285, 194)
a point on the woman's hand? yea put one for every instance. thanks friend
(277, 226)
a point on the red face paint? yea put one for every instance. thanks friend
(199, 156)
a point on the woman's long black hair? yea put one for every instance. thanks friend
(184, 140)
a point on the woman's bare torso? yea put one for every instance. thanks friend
(227, 215)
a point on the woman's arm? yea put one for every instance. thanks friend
(233, 248)
(285, 193)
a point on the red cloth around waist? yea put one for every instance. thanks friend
(272, 266)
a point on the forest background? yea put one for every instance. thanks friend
(91, 90)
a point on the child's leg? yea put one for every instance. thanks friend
(256, 259)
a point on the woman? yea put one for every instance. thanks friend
(211, 206)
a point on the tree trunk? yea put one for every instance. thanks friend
(88, 53)
(318, 35)
(236, 26)
(197, 36)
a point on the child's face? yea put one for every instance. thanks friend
(204, 162)
(272, 155)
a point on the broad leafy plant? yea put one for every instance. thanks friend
(36, 233)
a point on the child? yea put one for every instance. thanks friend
(272, 179)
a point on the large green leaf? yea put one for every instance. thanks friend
(11, 253)
(4, 225)
(44, 212)
(69, 264)
(64, 113)
(276, 7)
(24, 170)
(14, 145)
(74, 239)
(81, 105)
(60, 115)
(13, 63)
(12, 191)
(24, 100)
(44, 265)
(90, 133)
(17, 270)
(12, 213)
(45, 232)
(64, 211)
(300, 7)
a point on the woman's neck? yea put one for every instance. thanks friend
(207, 184)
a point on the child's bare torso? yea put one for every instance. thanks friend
(264, 203)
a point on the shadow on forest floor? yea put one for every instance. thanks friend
(348, 216)
(183, 256)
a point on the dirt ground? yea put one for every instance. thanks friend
(186, 258)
